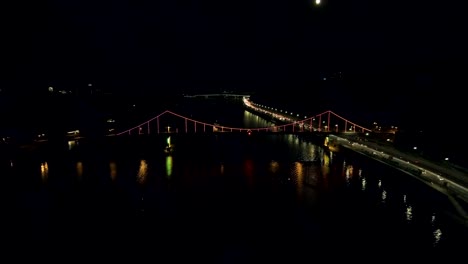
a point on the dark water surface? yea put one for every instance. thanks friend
(220, 198)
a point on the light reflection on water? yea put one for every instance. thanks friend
(221, 169)
(349, 174)
(318, 178)
(409, 213)
(251, 120)
(325, 165)
(274, 166)
(72, 144)
(298, 172)
(79, 169)
(113, 170)
(44, 171)
(437, 236)
(169, 166)
(142, 171)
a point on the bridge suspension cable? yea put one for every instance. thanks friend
(320, 122)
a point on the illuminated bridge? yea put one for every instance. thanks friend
(224, 95)
(170, 122)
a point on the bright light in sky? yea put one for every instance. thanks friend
(317, 2)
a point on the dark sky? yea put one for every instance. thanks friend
(243, 45)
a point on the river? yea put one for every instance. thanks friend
(225, 198)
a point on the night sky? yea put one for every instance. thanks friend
(390, 53)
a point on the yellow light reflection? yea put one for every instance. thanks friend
(326, 160)
(274, 166)
(299, 170)
(71, 144)
(349, 171)
(113, 170)
(222, 169)
(325, 167)
(169, 165)
(437, 236)
(79, 169)
(44, 171)
(142, 171)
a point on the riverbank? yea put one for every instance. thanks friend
(445, 180)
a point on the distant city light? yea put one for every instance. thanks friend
(317, 2)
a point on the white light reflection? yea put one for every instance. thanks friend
(404, 198)
(433, 218)
(44, 171)
(384, 196)
(409, 213)
(437, 236)
(142, 171)
(325, 165)
(349, 173)
(380, 183)
(363, 183)
(72, 144)
(360, 172)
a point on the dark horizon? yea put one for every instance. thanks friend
(197, 43)
(401, 59)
